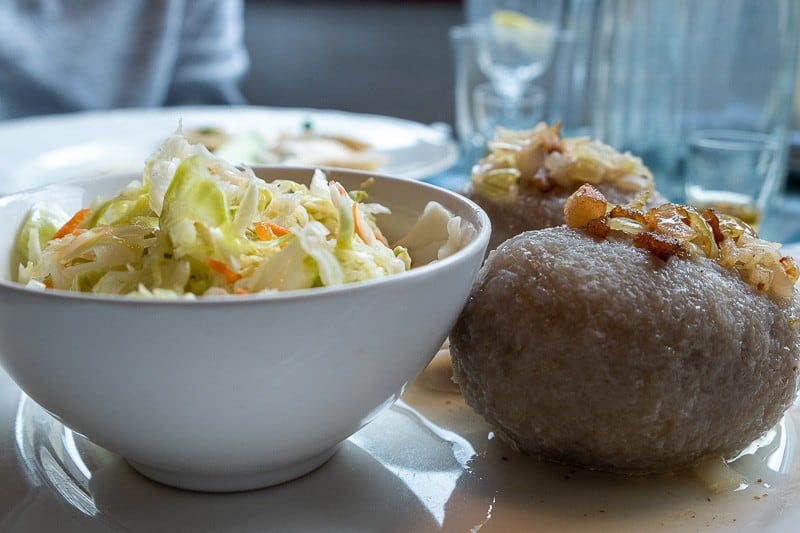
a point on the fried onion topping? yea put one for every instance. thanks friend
(674, 230)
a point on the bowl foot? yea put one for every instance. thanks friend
(233, 482)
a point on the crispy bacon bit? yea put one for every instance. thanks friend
(619, 211)
(677, 230)
(660, 245)
(584, 205)
(668, 219)
(598, 227)
(711, 217)
(652, 219)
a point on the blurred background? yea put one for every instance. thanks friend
(375, 56)
(388, 57)
(639, 75)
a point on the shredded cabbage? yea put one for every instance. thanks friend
(437, 234)
(196, 225)
(541, 158)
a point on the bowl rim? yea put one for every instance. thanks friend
(475, 246)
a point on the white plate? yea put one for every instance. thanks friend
(427, 464)
(42, 150)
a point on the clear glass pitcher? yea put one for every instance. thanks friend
(702, 91)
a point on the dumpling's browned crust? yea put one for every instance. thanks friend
(596, 353)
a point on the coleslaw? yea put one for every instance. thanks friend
(196, 225)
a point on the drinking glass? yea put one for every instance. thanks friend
(702, 91)
(467, 77)
(493, 109)
(479, 107)
(516, 40)
(733, 171)
(738, 104)
(560, 94)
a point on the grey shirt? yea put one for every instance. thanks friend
(60, 56)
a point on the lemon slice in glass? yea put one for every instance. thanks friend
(526, 33)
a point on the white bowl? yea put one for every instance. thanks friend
(232, 393)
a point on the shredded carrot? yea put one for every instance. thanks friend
(277, 229)
(262, 232)
(223, 270)
(356, 223)
(266, 231)
(72, 224)
(48, 283)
